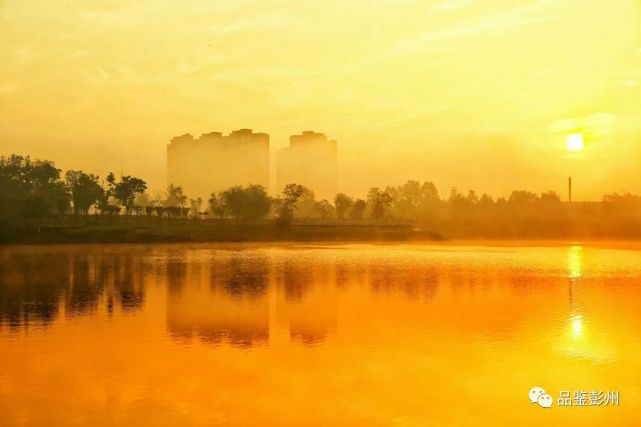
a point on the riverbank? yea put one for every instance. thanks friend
(142, 229)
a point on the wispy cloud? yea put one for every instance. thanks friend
(597, 124)
(506, 20)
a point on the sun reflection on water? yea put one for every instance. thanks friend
(576, 344)
(576, 323)
(575, 272)
(575, 262)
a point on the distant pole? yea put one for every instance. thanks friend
(570, 189)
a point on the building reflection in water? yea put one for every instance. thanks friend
(244, 299)
(309, 299)
(251, 298)
(221, 299)
(214, 317)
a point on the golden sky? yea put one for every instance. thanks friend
(468, 93)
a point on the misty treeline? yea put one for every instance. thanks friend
(37, 189)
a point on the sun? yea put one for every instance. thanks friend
(575, 142)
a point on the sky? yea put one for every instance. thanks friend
(472, 94)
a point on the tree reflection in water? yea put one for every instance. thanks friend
(38, 284)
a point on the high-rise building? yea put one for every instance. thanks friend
(310, 160)
(215, 162)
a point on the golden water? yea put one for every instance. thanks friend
(293, 335)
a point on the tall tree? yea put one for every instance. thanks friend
(379, 201)
(324, 209)
(85, 190)
(286, 203)
(343, 204)
(306, 204)
(217, 205)
(126, 190)
(358, 209)
(175, 198)
(195, 205)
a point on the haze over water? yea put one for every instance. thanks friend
(316, 335)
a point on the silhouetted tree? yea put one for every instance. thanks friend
(358, 209)
(305, 206)
(217, 205)
(622, 202)
(324, 209)
(415, 201)
(286, 203)
(85, 190)
(144, 200)
(249, 203)
(379, 201)
(550, 198)
(522, 198)
(343, 204)
(486, 201)
(195, 206)
(104, 205)
(111, 185)
(127, 189)
(31, 188)
(175, 198)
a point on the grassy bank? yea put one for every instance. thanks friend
(97, 229)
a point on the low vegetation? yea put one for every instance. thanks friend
(38, 203)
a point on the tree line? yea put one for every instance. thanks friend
(36, 189)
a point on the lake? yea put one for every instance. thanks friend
(319, 335)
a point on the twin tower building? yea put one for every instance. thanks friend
(215, 162)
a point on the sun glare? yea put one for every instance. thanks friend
(575, 142)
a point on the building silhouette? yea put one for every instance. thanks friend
(215, 162)
(310, 160)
